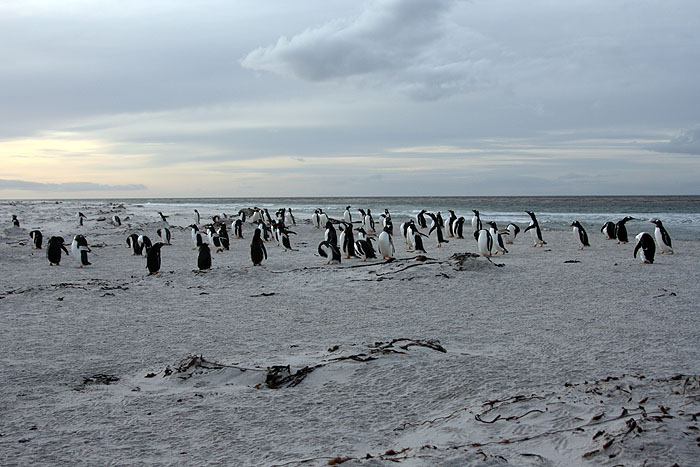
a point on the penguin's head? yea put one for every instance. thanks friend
(656, 222)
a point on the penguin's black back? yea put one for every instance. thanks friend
(204, 257)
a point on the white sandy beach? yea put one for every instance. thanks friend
(547, 362)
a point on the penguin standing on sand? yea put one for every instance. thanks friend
(132, 241)
(608, 230)
(458, 227)
(646, 243)
(329, 251)
(330, 235)
(79, 250)
(534, 229)
(364, 248)
(197, 217)
(116, 221)
(347, 242)
(153, 259)
(449, 223)
(580, 234)
(484, 241)
(53, 250)
(420, 218)
(214, 239)
(144, 244)
(476, 221)
(15, 221)
(438, 230)
(663, 239)
(164, 234)
(621, 230)
(316, 219)
(204, 257)
(80, 217)
(196, 236)
(322, 218)
(257, 249)
(511, 232)
(289, 217)
(238, 228)
(36, 239)
(163, 217)
(496, 238)
(385, 244)
(416, 240)
(284, 236)
(223, 237)
(347, 215)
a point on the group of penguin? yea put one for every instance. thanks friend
(490, 241)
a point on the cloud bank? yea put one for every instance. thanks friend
(65, 187)
(687, 142)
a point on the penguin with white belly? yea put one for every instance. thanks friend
(646, 244)
(580, 234)
(663, 239)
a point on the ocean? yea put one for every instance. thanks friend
(680, 214)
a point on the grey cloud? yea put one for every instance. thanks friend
(65, 187)
(687, 142)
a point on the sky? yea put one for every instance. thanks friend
(250, 98)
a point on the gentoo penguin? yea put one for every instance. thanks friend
(79, 250)
(663, 239)
(164, 234)
(416, 240)
(132, 241)
(364, 248)
(438, 230)
(648, 247)
(80, 217)
(36, 239)
(484, 241)
(608, 230)
(238, 228)
(316, 219)
(458, 227)
(347, 242)
(145, 244)
(449, 224)
(204, 257)
(196, 236)
(15, 221)
(322, 218)
(621, 230)
(267, 218)
(216, 218)
(214, 239)
(153, 258)
(257, 216)
(330, 251)
(116, 221)
(580, 234)
(53, 250)
(284, 236)
(385, 244)
(223, 236)
(386, 218)
(496, 238)
(404, 229)
(420, 218)
(257, 248)
(347, 215)
(369, 221)
(330, 235)
(534, 229)
(476, 221)
(197, 217)
(163, 217)
(510, 233)
(289, 217)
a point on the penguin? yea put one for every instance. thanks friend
(145, 244)
(404, 230)
(621, 230)
(484, 241)
(164, 234)
(116, 221)
(223, 237)
(438, 230)
(608, 230)
(197, 217)
(496, 238)
(289, 218)
(316, 219)
(663, 239)
(449, 224)
(330, 235)
(580, 234)
(330, 251)
(238, 228)
(476, 221)
(257, 216)
(416, 240)
(458, 227)
(15, 221)
(204, 257)
(420, 218)
(322, 218)
(163, 217)
(510, 232)
(347, 215)
(53, 250)
(79, 251)
(216, 219)
(257, 248)
(153, 259)
(535, 231)
(80, 217)
(369, 221)
(132, 241)
(284, 235)
(386, 218)
(347, 242)
(385, 244)
(196, 236)
(648, 247)
(365, 249)
(214, 239)
(267, 219)
(37, 238)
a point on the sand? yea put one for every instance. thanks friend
(558, 357)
